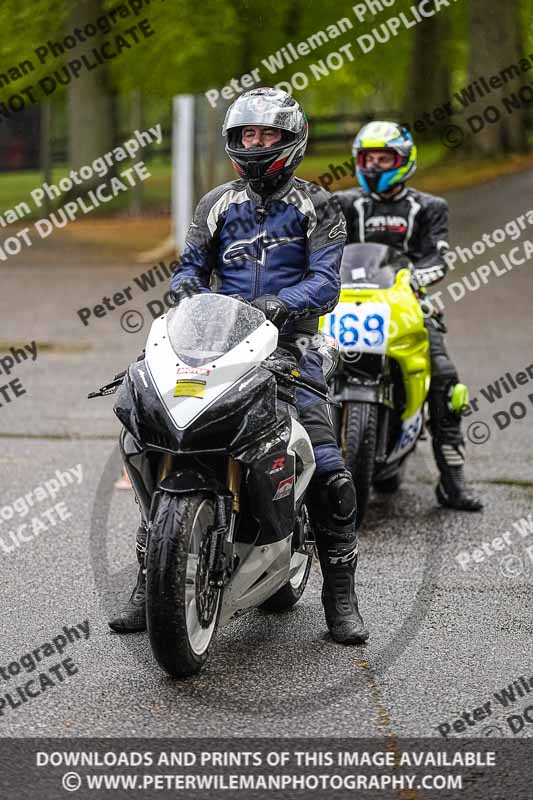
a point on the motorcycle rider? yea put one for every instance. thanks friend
(274, 240)
(386, 211)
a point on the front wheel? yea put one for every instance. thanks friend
(358, 442)
(392, 484)
(182, 608)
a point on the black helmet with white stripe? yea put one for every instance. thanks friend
(266, 168)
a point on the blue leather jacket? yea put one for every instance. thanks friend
(290, 246)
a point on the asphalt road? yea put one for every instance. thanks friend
(443, 637)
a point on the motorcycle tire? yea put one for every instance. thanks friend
(358, 443)
(392, 484)
(182, 609)
(290, 593)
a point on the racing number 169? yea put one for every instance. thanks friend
(345, 329)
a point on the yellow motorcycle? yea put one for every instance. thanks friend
(384, 372)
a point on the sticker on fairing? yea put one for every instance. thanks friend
(284, 488)
(277, 465)
(189, 388)
(363, 327)
(411, 428)
(186, 371)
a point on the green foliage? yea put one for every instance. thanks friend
(26, 26)
(197, 46)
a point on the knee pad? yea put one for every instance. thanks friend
(443, 380)
(341, 494)
(459, 398)
(446, 406)
(333, 503)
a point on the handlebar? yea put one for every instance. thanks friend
(299, 382)
(109, 388)
(292, 378)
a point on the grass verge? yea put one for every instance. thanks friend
(111, 225)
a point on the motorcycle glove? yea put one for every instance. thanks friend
(273, 308)
(429, 275)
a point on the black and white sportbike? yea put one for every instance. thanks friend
(212, 405)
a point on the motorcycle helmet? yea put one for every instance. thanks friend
(391, 138)
(266, 168)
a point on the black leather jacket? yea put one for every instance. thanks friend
(411, 221)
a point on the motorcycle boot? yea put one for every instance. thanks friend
(333, 511)
(446, 402)
(451, 490)
(132, 617)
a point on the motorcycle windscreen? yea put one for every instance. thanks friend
(370, 265)
(205, 326)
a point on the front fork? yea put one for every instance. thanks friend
(233, 482)
(222, 559)
(221, 556)
(383, 434)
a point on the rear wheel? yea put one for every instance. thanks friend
(358, 441)
(182, 608)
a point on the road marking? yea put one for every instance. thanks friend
(384, 723)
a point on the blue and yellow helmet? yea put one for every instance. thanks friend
(389, 137)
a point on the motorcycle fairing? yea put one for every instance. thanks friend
(241, 414)
(262, 571)
(278, 469)
(284, 456)
(238, 411)
(407, 339)
(218, 376)
(407, 436)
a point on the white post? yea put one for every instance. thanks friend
(182, 165)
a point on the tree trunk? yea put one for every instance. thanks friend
(429, 83)
(90, 100)
(495, 44)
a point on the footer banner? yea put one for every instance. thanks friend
(408, 769)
